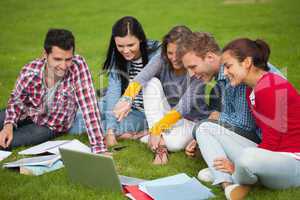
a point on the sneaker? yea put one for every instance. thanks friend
(205, 175)
(236, 192)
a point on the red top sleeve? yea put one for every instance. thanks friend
(276, 108)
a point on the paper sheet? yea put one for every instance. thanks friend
(190, 190)
(126, 180)
(170, 180)
(4, 154)
(39, 160)
(53, 147)
(75, 145)
(43, 148)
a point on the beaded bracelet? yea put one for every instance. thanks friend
(126, 99)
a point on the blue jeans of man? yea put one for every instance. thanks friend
(27, 133)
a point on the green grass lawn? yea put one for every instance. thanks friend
(23, 27)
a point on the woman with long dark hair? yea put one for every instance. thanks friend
(129, 51)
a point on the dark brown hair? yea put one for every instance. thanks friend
(173, 36)
(198, 42)
(127, 25)
(61, 38)
(257, 49)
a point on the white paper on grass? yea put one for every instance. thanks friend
(43, 148)
(53, 147)
(47, 161)
(4, 154)
(170, 180)
(71, 145)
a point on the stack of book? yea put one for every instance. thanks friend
(41, 163)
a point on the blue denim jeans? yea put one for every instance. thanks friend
(27, 133)
(134, 122)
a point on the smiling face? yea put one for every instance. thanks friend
(198, 67)
(59, 61)
(171, 54)
(129, 47)
(233, 69)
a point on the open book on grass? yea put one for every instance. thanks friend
(53, 147)
(41, 164)
(39, 170)
(36, 165)
(47, 161)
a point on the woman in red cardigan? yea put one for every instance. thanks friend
(275, 105)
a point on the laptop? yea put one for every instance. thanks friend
(95, 170)
(92, 170)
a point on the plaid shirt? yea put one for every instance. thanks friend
(235, 109)
(75, 89)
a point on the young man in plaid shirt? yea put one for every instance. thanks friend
(48, 93)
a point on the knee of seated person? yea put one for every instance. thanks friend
(175, 145)
(154, 86)
(154, 81)
(203, 129)
(248, 158)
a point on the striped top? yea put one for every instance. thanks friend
(135, 68)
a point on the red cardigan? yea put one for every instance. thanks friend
(275, 105)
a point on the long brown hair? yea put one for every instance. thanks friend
(173, 36)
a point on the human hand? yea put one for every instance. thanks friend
(154, 141)
(190, 149)
(215, 115)
(121, 110)
(224, 165)
(6, 135)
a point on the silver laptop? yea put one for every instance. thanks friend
(95, 170)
